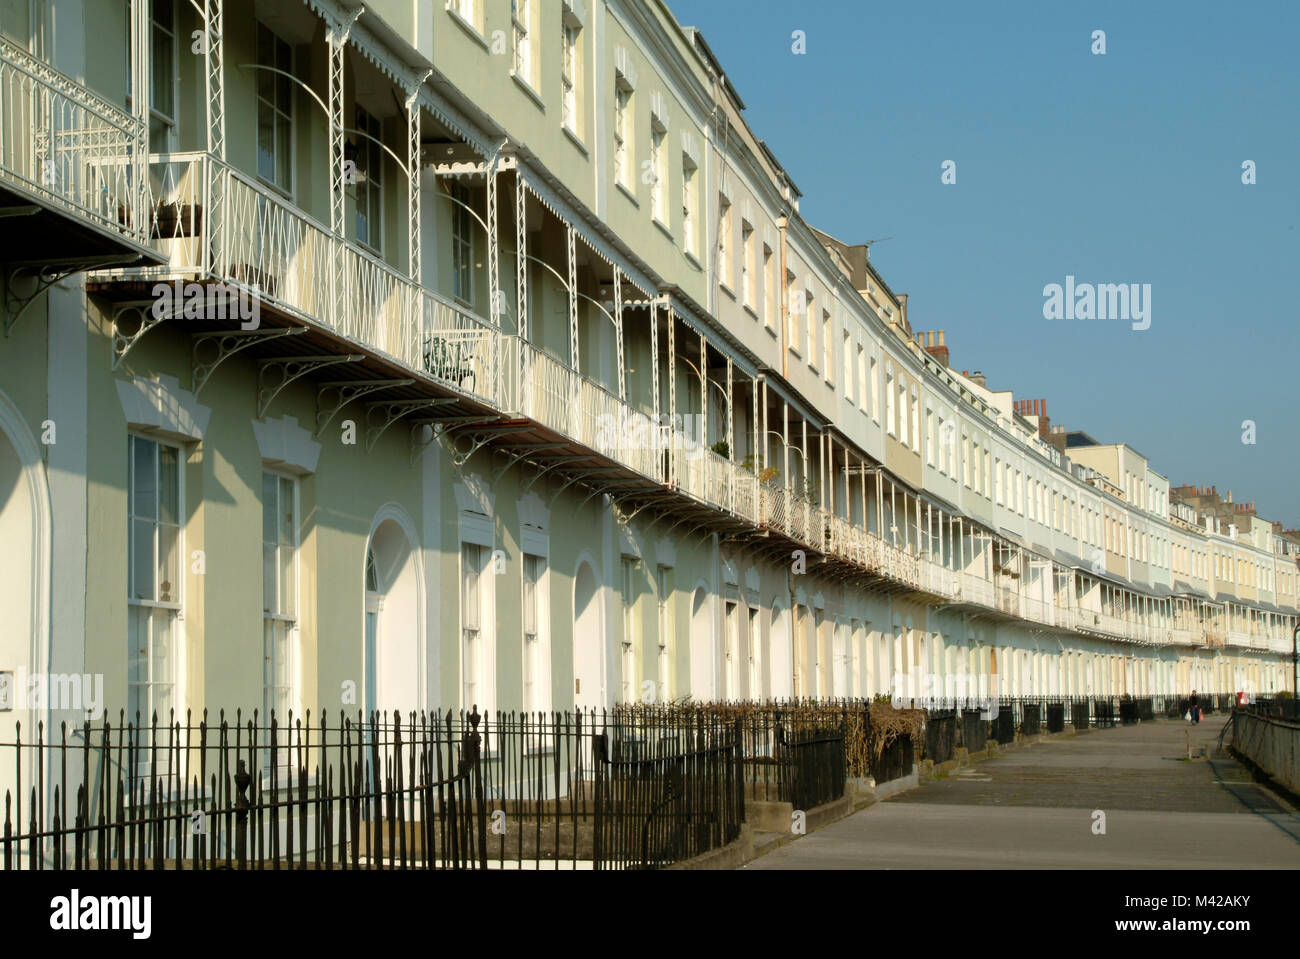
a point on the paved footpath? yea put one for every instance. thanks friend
(1033, 807)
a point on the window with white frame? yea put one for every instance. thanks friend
(162, 75)
(889, 402)
(794, 307)
(629, 629)
(902, 411)
(747, 263)
(570, 74)
(462, 245)
(690, 178)
(916, 421)
(521, 28)
(663, 585)
(808, 307)
(754, 653)
(724, 241)
(472, 571)
(535, 656)
(279, 592)
(154, 499)
(730, 653)
(862, 387)
(624, 160)
(274, 110)
(366, 178)
(875, 391)
(846, 354)
(659, 177)
(828, 347)
(769, 288)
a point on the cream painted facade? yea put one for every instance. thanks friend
(579, 411)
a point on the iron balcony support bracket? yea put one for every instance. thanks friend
(514, 456)
(274, 375)
(122, 342)
(390, 411)
(439, 424)
(227, 345)
(479, 437)
(582, 476)
(332, 397)
(25, 281)
(543, 470)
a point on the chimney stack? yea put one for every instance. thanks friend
(936, 347)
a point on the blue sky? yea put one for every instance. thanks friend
(1122, 168)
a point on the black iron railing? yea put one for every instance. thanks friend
(941, 735)
(428, 791)
(974, 730)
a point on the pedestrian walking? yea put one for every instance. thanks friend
(1194, 708)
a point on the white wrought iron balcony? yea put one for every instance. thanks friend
(68, 150)
(72, 166)
(212, 222)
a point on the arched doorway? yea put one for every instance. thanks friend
(24, 585)
(588, 637)
(702, 648)
(393, 630)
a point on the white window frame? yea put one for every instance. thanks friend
(369, 181)
(663, 590)
(570, 73)
(690, 194)
(474, 564)
(462, 246)
(627, 588)
(154, 606)
(769, 288)
(658, 183)
(536, 652)
(279, 112)
(281, 616)
(167, 122)
(521, 33)
(624, 124)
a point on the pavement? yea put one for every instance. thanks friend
(1043, 806)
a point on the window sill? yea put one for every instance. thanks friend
(663, 228)
(629, 194)
(475, 34)
(751, 311)
(726, 289)
(576, 140)
(794, 351)
(770, 329)
(691, 259)
(528, 90)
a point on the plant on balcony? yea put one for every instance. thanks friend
(722, 448)
(766, 476)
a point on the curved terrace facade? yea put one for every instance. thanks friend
(476, 353)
